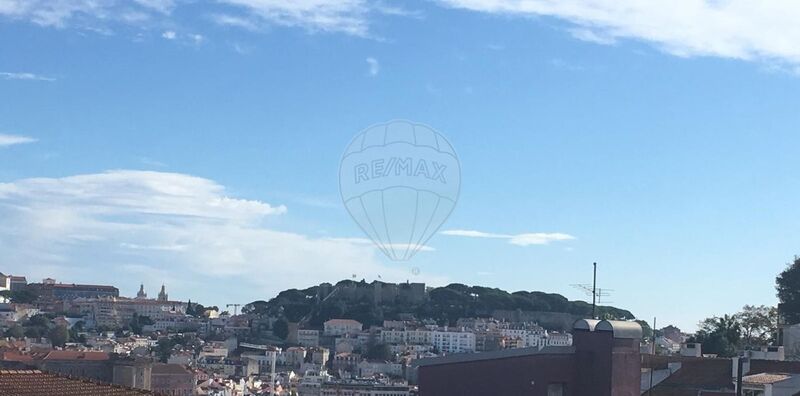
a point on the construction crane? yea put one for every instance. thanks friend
(235, 308)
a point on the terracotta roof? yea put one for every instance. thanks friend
(344, 322)
(765, 378)
(15, 357)
(35, 383)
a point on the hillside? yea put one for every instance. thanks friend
(445, 305)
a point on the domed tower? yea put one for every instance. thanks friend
(162, 295)
(141, 295)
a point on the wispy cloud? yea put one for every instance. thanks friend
(374, 66)
(90, 15)
(351, 17)
(527, 239)
(10, 140)
(235, 21)
(345, 16)
(395, 246)
(765, 31)
(562, 64)
(150, 162)
(25, 76)
(169, 35)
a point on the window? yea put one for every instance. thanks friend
(556, 390)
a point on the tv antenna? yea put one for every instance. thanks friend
(598, 294)
(235, 308)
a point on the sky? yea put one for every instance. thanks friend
(197, 144)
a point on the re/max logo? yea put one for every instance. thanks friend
(396, 166)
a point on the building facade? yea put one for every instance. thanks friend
(604, 360)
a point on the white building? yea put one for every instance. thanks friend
(338, 327)
(362, 388)
(767, 353)
(368, 369)
(771, 384)
(308, 338)
(311, 383)
(118, 311)
(559, 339)
(691, 349)
(453, 341)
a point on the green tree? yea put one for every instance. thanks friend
(788, 285)
(33, 332)
(19, 296)
(259, 307)
(38, 320)
(379, 351)
(719, 335)
(647, 331)
(759, 324)
(15, 331)
(58, 335)
(281, 329)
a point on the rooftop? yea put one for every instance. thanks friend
(73, 286)
(35, 383)
(76, 355)
(765, 378)
(344, 322)
(501, 354)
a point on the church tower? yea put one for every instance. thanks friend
(162, 295)
(141, 295)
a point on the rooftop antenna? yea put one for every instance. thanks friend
(235, 308)
(592, 290)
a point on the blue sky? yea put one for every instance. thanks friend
(198, 144)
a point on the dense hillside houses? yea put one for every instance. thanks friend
(166, 346)
(182, 348)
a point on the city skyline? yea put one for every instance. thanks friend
(198, 145)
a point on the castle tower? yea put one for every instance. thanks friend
(141, 295)
(162, 295)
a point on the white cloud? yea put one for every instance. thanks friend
(169, 35)
(393, 246)
(374, 66)
(352, 17)
(535, 238)
(739, 29)
(342, 16)
(235, 21)
(83, 13)
(10, 140)
(25, 76)
(112, 226)
(162, 6)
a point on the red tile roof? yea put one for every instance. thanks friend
(36, 383)
(765, 378)
(15, 357)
